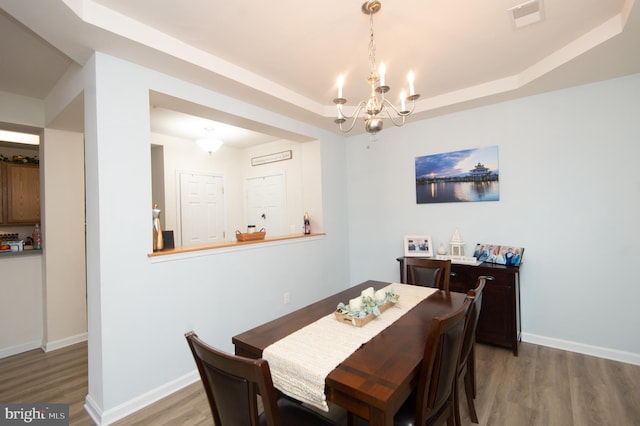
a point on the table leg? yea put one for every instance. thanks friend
(379, 417)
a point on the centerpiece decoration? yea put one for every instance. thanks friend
(367, 306)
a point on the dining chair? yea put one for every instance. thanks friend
(467, 364)
(427, 272)
(233, 384)
(432, 402)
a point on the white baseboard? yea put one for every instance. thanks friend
(92, 409)
(103, 418)
(113, 415)
(67, 341)
(23, 347)
(38, 344)
(581, 348)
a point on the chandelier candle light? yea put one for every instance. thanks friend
(377, 105)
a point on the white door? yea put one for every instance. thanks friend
(201, 209)
(265, 203)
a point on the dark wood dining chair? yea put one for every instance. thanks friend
(233, 383)
(467, 364)
(427, 272)
(432, 402)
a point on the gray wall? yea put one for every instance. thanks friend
(142, 305)
(569, 194)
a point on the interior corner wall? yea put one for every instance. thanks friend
(95, 396)
(137, 303)
(312, 186)
(65, 308)
(569, 194)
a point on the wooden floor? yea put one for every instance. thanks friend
(542, 386)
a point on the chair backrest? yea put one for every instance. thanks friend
(440, 363)
(232, 384)
(427, 272)
(471, 322)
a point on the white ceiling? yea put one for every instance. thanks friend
(286, 55)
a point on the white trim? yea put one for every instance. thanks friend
(581, 348)
(92, 410)
(129, 407)
(67, 341)
(24, 347)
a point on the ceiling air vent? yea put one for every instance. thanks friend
(526, 13)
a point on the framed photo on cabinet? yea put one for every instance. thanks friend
(502, 255)
(418, 246)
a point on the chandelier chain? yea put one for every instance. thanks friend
(372, 47)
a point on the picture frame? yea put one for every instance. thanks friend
(418, 246)
(272, 158)
(499, 254)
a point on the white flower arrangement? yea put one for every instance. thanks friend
(368, 303)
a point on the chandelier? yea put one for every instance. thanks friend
(377, 106)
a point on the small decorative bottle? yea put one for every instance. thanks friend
(37, 238)
(307, 224)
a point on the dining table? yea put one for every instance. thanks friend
(376, 379)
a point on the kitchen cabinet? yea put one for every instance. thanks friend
(499, 322)
(2, 197)
(20, 185)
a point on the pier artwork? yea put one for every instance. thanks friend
(479, 173)
(458, 176)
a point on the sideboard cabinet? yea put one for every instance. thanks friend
(499, 322)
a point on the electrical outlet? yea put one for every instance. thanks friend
(287, 298)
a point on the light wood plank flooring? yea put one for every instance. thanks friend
(542, 386)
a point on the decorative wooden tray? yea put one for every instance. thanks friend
(360, 322)
(254, 236)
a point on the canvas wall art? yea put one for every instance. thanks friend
(458, 176)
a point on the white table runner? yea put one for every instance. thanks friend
(301, 361)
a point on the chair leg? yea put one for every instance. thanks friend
(471, 368)
(451, 419)
(468, 386)
(456, 402)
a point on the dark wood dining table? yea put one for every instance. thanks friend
(378, 377)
